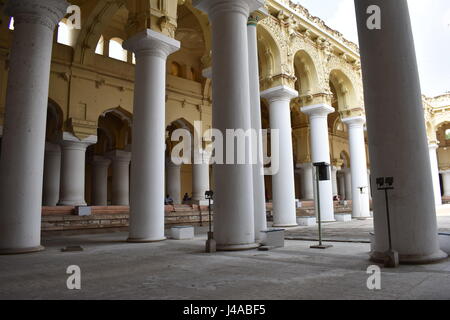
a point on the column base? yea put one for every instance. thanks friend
(136, 240)
(237, 247)
(72, 203)
(21, 250)
(284, 225)
(379, 257)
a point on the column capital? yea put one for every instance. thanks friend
(306, 165)
(337, 163)
(71, 142)
(257, 16)
(101, 161)
(207, 73)
(357, 121)
(119, 155)
(280, 93)
(318, 110)
(151, 43)
(433, 146)
(44, 12)
(212, 7)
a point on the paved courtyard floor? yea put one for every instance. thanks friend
(354, 231)
(114, 269)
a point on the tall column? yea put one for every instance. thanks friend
(173, 181)
(23, 142)
(73, 167)
(307, 181)
(320, 152)
(120, 187)
(259, 193)
(334, 182)
(360, 192)
(397, 136)
(446, 182)
(341, 182)
(435, 173)
(200, 179)
(148, 153)
(348, 183)
(369, 181)
(100, 166)
(52, 169)
(283, 185)
(234, 210)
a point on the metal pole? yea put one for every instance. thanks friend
(209, 210)
(318, 206)
(388, 218)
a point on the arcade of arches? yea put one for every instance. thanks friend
(115, 90)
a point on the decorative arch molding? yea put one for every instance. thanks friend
(270, 47)
(300, 45)
(306, 71)
(203, 21)
(95, 23)
(347, 95)
(354, 77)
(121, 113)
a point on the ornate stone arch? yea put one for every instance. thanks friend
(344, 89)
(94, 23)
(348, 75)
(269, 51)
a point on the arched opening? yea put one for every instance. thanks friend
(186, 63)
(306, 73)
(100, 48)
(116, 51)
(268, 54)
(11, 24)
(179, 178)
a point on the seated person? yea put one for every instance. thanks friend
(186, 198)
(168, 200)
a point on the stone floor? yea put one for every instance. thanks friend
(114, 269)
(354, 231)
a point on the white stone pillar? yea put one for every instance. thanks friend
(148, 153)
(233, 203)
(52, 169)
(320, 152)
(283, 184)
(307, 181)
(360, 185)
(200, 179)
(435, 173)
(334, 182)
(397, 135)
(100, 166)
(23, 141)
(259, 193)
(120, 186)
(173, 181)
(348, 183)
(73, 167)
(446, 182)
